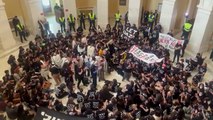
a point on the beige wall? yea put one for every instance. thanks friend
(17, 8)
(151, 5)
(86, 3)
(13, 8)
(123, 9)
(113, 7)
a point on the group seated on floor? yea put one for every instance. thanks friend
(159, 91)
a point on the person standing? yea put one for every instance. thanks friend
(21, 31)
(117, 18)
(156, 17)
(92, 19)
(55, 71)
(82, 20)
(81, 74)
(126, 18)
(187, 27)
(15, 22)
(127, 71)
(186, 41)
(146, 14)
(62, 23)
(178, 48)
(151, 19)
(71, 21)
(94, 75)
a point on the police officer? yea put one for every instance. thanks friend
(71, 21)
(21, 31)
(151, 19)
(92, 19)
(15, 22)
(186, 29)
(62, 23)
(117, 18)
(82, 20)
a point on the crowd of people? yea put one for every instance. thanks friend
(159, 91)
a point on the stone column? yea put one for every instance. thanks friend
(102, 13)
(202, 28)
(168, 15)
(135, 8)
(6, 37)
(35, 12)
(70, 8)
(192, 8)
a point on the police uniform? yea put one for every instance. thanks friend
(117, 19)
(20, 29)
(71, 22)
(151, 19)
(186, 29)
(62, 23)
(92, 20)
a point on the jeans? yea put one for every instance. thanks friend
(94, 80)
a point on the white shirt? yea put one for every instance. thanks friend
(90, 50)
(56, 59)
(64, 60)
(80, 50)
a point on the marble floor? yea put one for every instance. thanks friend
(55, 27)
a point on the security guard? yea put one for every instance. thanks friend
(186, 29)
(82, 20)
(92, 19)
(62, 23)
(21, 31)
(71, 21)
(117, 18)
(151, 19)
(15, 22)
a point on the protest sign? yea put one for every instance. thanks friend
(129, 33)
(47, 114)
(145, 57)
(168, 42)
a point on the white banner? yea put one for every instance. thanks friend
(145, 57)
(168, 42)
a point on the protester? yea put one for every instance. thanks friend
(156, 90)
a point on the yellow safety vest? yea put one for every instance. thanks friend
(187, 27)
(61, 19)
(71, 19)
(20, 27)
(151, 18)
(92, 17)
(117, 16)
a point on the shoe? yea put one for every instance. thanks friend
(26, 40)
